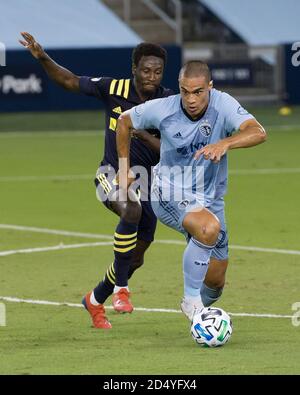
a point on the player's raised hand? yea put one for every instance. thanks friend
(33, 46)
(213, 152)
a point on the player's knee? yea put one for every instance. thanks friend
(208, 233)
(132, 212)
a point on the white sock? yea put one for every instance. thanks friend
(194, 300)
(195, 264)
(117, 288)
(93, 300)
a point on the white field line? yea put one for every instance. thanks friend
(65, 177)
(78, 177)
(107, 237)
(55, 248)
(55, 231)
(143, 309)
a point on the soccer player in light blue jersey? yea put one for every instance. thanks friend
(190, 180)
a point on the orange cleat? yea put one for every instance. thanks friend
(97, 313)
(121, 301)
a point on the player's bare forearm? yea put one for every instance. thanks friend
(251, 133)
(123, 137)
(57, 73)
(148, 139)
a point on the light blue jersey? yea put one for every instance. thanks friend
(181, 137)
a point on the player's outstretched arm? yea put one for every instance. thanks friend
(57, 73)
(250, 133)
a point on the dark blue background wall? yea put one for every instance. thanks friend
(292, 73)
(24, 86)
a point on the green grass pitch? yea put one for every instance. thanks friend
(47, 164)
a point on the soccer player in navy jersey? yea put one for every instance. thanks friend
(135, 230)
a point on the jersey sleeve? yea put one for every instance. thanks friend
(234, 114)
(147, 115)
(95, 86)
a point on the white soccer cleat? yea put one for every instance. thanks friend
(190, 306)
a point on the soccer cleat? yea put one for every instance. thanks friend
(191, 306)
(121, 302)
(97, 313)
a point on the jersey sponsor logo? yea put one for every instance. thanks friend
(117, 110)
(242, 111)
(177, 135)
(189, 149)
(183, 204)
(205, 129)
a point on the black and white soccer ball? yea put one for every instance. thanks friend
(211, 327)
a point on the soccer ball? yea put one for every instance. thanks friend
(211, 327)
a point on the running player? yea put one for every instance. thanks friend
(191, 178)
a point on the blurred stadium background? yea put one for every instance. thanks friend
(51, 142)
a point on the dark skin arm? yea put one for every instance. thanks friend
(57, 73)
(250, 133)
(147, 138)
(123, 137)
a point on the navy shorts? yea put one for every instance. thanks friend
(106, 188)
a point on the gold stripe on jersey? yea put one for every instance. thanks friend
(126, 89)
(120, 87)
(113, 124)
(112, 87)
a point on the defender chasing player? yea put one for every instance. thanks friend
(135, 230)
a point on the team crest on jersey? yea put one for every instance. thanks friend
(242, 111)
(183, 204)
(205, 129)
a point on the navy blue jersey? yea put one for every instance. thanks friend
(119, 96)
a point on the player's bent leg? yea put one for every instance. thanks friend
(125, 240)
(214, 282)
(138, 256)
(204, 227)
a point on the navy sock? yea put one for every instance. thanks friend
(210, 295)
(124, 245)
(106, 287)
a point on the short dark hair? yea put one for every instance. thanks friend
(148, 49)
(195, 68)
